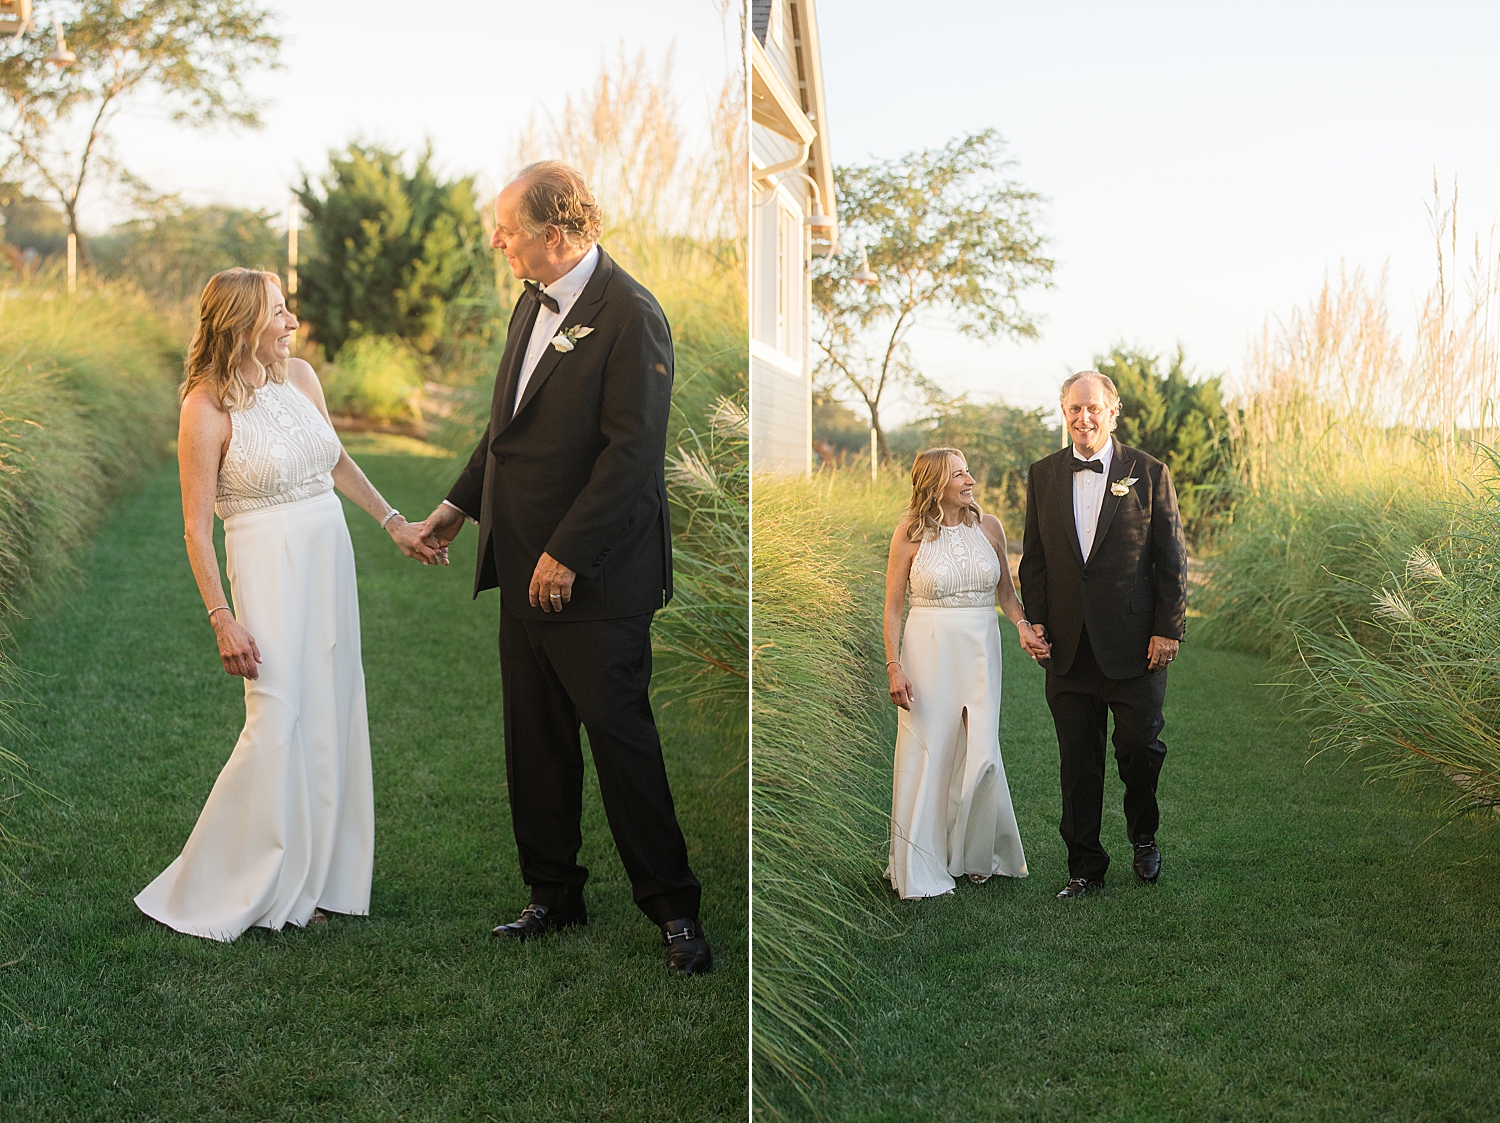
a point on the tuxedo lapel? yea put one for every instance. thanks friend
(510, 363)
(583, 311)
(1063, 482)
(1120, 469)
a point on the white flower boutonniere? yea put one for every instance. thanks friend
(1122, 485)
(564, 340)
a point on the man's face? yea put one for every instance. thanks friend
(527, 253)
(1088, 415)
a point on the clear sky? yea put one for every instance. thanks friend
(1206, 164)
(466, 73)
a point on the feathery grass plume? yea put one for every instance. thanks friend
(1421, 704)
(821, 782)
(702, 637)
(86, 405)
(1351, 451)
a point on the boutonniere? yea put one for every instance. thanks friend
(1122, 485)
(564, 340)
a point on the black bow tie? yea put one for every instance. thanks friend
(540, 296)
(1087, 465)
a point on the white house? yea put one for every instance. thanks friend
(792, 216)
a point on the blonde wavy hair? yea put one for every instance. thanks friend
(929, 476)
(233, 311)
(557, 195)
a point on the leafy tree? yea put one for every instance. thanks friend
(391, 249)
(191, 56)
(946, 231)
(172, 249)
(1179, 421)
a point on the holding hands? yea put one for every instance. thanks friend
(1034, 640)
(415, 541)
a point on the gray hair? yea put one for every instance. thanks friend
(557, 195)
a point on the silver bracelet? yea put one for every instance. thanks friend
(211, 611)
(389, 516)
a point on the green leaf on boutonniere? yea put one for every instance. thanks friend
(564, 340)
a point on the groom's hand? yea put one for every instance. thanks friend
(440, 528)
(551, 584)
(1161, 652)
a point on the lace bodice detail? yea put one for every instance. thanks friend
(281, 451)
(957, 569)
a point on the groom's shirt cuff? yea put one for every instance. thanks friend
(461, 511)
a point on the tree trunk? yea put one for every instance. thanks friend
(882, 448)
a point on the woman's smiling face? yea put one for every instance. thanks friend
(275, 343)
(958, 492)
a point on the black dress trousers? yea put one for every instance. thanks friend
(1081, 702)
(556, 675)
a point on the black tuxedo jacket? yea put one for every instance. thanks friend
(577, 470)
(1134, 584)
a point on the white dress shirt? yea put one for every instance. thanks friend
(565, 291)
(1088, 496)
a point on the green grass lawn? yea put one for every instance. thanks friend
(411, 1013)
(1310, 953)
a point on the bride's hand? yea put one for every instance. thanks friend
(413, 541)
(237, 648)
(901, 691)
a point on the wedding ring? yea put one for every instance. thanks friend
(557, 596)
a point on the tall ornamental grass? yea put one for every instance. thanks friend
(87, 404)
(1422, 703)
(701, 639)
(1350, 450)
(823, 731)
(1366, 530)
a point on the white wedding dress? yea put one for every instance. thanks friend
(950, 805)
(290, 823)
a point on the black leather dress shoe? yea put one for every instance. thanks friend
(1079, 887)
(537, 920)
(1147, 861)
(687, 947)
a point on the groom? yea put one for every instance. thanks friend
(1103, 577)
(568, 488)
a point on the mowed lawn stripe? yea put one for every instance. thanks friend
(413, 1012)
(1310, 953)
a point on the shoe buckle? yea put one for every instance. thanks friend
(685, 934)
(537, 911)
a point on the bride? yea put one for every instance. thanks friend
(288, 830)
(950, 808)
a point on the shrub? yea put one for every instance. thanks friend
(390, 247)
(375, 377)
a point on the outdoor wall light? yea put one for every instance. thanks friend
(60, 56)
(864, 275)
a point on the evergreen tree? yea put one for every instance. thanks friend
(390, 248)
(1179, 421)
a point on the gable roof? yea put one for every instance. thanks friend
(760, 19)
